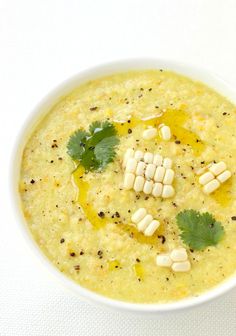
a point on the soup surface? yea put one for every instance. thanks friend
(81, 220)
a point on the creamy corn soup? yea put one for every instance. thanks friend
(82, 215)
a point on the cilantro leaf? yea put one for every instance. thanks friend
(99, 131)
(97, 125)
(89, 161)
(199, 230)
(104, 151)
(95, 149)
(76, 144)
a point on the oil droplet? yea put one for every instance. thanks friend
(223, 195)
(138, 236)
(113, 264)
(139, 271)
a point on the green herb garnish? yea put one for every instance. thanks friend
(96, 148)
(199, 230)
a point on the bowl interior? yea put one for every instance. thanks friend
(38, 113)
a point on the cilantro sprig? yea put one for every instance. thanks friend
(199, 230)
(96, 148)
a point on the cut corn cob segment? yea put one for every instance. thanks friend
(131, 165)
(145, 222)
(218, 168)
(138, 215)
(152, 171)
(148, 157)
(139, 183)
(152, 227)
(157, 189)
(183, 266)
(158, 159)
(138, 155)
(169, 176)
(150, 133)
(168, 191)
(177, 260)
(167, 163)
(223, 177)
(163, 260)
(165, 132)
(140, 168)
(205, 178)
(179, 254)
(211, 186)
(147, 188)
(129, 181)
(159, 174)
(215, 175)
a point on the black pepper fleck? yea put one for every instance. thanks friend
(101, 214)
(62, 240)
(163, 239)
(129, 130)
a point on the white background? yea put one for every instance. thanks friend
(42, 42)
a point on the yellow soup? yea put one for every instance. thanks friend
(81, 219)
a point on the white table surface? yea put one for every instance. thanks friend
(42, 42)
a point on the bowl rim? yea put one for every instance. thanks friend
(34, 117)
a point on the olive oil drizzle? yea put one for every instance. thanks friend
(82, 198)
(139, 271)
(223, 195)
(175, 119)
(113, 264)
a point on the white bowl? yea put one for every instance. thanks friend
(42, 108)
